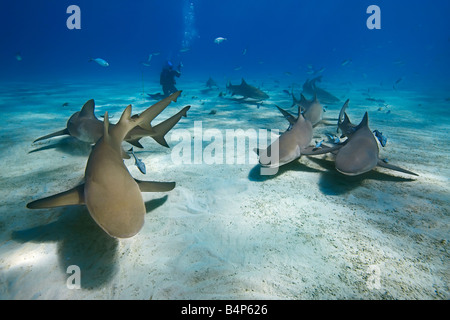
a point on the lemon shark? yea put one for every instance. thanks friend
(246, 91)
(359, 153)
(312, 109)
(291, 144)
(111, 195)
(85, 126)
(310, 88)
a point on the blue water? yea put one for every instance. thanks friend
(226, 231)
(280, 38)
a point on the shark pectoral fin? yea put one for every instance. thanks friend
(71, 197)
(155, 186)
(165, 126)
(136, 143)
(54, 134)
(386, 165)
(125, 154)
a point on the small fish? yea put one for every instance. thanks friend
(244, 52)
(185, 50)
(333, 138)
(138, 162)
(147, 63)
(288, 73)
(156, 53)
(18, 56)
(346, 62)
(65, 104)
(398, 80)
(380, 137)
(100, 61)
(212, 112)
(319, 143)
(219, 40)
(375, 100)
(237, 68)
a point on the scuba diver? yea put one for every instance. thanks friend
(167, 78)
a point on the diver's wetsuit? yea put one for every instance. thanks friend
(167, 80)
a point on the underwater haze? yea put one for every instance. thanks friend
(277, 38)
(356, 206)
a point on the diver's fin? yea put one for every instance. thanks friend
(54, 134)
(73, 196)
(386, 165)
(162, 128)
(155, 186)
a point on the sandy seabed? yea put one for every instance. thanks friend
(226, 231)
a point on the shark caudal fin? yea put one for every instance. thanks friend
(54, 134)
(341, 115)
(382, 163)
(126, 123)
(289, 117)
(73, 196)
(165, 126)
(146, 117)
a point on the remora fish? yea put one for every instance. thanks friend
(138, 162)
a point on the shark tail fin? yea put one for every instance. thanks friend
(342, 113)
(386, 165)
(54, 134)
(148, 115)
(73, 196)
(289, 117)
(165, 126)
(126, 122)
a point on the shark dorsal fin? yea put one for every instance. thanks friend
(88, 109)
(364, 122)
(346, 119)
(243, 81)
(106, 125)
(120, 130)
(303, 99)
